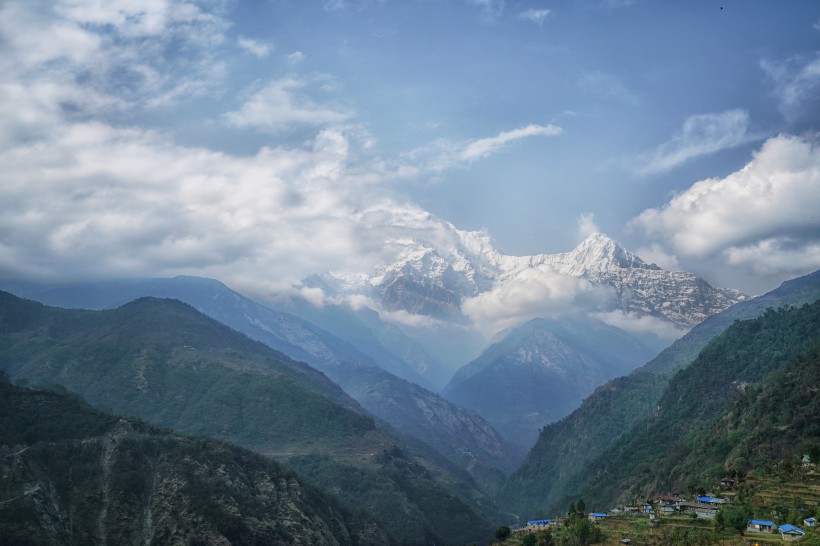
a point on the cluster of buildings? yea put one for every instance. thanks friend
(702, 507)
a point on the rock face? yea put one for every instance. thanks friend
(433, 281)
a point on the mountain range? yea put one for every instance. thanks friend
(427, 279)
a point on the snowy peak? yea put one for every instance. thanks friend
(598, 253)
(433, 277)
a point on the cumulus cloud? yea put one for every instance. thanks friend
(95, 58)
(536, 16)
(259, 49)
(282, 104)
(701, 134)
(445, 154)
(762, 217)
(86, 194)
(534, 292)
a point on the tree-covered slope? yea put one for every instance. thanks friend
(655, 455)
(560, 458)
(72, 475)
(776, 420)
(163, 361)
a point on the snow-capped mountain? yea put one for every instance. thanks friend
(429, 280)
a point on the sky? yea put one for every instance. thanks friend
(261, 141)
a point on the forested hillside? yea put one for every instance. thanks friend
(163, 361)
(657, 457)
(565, 449)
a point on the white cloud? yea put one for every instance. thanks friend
(445, 154)
(776, 256)
(702, 134)
(586, 225)
(762, 217)
(536, 16)
(259, 49)
(534, 292)
(796, 83)
(95, 58)
(85, 194)
(296, 57)
(483, 147)
(282, 104)
(636, 324)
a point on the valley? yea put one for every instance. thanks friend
(424, 467)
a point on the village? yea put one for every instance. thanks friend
(733, 514)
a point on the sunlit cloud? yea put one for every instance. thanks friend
(702, 134)
(763, 217)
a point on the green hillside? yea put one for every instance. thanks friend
(162, 361)
(72, 475)
(565, 449)
(657, 455)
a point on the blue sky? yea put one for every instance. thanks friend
(261, 141)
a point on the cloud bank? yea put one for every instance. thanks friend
(763, 218)
(534, 292)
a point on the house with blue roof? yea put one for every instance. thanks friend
(711, 500)
(596, 516)
(790, 532)
(810, 522)
(761, 526)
